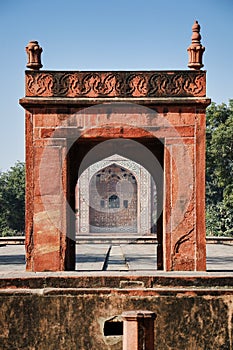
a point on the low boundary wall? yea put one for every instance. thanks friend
(71, 311)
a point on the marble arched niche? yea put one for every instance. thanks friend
(146, 197)
(113, 202)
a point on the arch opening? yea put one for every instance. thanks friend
(148, 184)
(118, 195)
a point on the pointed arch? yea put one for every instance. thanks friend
(141, 176)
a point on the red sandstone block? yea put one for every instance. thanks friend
(181, 119)
(47, 169)
(44, 143)
(48, 201)
(48, 120)
(50, 240)
(36, 133)
(183, 140)
(47, 259)
(116, 132)
(46, 132)
(174, 132)
(38, 120)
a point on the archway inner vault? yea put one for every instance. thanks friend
(130, 211)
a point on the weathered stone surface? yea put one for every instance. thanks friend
(34, 52)
(53, 312)
(116, 84)
(138, 333)
(69, 113)
(195, 50)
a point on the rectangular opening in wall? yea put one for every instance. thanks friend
(118, 206)
(113, 328)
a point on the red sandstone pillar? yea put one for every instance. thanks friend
(138, 330)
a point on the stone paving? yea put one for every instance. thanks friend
(117, 257)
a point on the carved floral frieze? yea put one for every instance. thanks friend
(116, 84)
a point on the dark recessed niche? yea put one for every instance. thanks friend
(113, 328)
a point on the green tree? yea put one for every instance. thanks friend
(12, 194)
(219, 169)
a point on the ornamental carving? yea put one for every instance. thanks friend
(144, 194)
(116, 84)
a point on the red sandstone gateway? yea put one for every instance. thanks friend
(152, 120)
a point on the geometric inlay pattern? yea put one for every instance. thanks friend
(143, 196)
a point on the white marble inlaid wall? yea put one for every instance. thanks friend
(144, 193)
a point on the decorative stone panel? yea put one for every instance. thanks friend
(116, 84)
(144, 214)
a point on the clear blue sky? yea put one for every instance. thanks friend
(107, 35)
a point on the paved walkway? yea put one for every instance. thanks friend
(117, 257)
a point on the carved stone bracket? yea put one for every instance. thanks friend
(116, 84)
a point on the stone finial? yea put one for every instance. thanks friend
(34, 55)
(195, 50)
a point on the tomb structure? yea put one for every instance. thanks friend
(77, 122)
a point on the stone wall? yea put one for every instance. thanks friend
(74, 312)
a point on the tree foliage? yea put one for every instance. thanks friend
(12, 193)
(219, 169)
